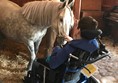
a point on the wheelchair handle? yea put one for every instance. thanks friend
(91, 61)
(94, 60)
(73, 56)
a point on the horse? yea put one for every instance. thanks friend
(29, 24)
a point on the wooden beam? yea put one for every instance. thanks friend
(76, 11)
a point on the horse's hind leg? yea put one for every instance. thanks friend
(32, 54)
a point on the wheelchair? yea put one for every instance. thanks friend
(42, 73)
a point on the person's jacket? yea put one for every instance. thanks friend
(59, 55)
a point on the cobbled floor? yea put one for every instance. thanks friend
(108, 67)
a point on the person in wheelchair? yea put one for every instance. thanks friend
(87, 42)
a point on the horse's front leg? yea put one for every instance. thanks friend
(38, 42)
(32, 54)
(36, 45)
(50, 39)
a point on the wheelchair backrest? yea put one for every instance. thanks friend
(85, 57)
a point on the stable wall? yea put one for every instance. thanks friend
(96, 9)
(93, 8)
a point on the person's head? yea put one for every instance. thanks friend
(88, 27)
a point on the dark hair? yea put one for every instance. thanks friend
(88, 27)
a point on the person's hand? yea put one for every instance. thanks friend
(68, 38)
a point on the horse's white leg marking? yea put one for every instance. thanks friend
(33, 55)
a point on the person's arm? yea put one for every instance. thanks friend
(61, 56)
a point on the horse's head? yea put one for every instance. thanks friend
(64, 21)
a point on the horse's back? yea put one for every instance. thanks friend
(7, 7)
(10, 19)
(8, 4)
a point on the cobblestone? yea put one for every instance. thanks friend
(108, 67)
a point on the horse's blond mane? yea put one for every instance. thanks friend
(40, 12)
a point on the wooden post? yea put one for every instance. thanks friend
(76, 11)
